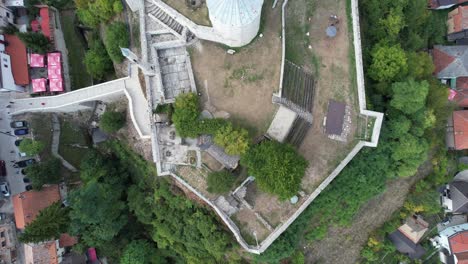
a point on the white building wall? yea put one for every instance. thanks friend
(237, 36)
(6, 15)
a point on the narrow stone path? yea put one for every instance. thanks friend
(56, 141)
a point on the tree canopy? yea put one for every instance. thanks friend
(91, 13)
(234, 141)
(31, 147)
(97, 61)
(278, 169)
(35, 41)
(47, 172)
(409, 96)
(387, 62)
(49, 224)
(112, 121)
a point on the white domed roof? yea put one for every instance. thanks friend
(234, 13)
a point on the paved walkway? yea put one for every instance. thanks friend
(56, 143)
(107, 92)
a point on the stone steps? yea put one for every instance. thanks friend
(307, 116)
(164, 17)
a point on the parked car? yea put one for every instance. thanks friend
(21, 131)
(2, 168)
(26, 180)
(28, 187)
(4, 189)
(19, 124)
(25, 163)
(22, 154)
(18, 142)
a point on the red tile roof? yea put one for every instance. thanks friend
(28, 204)
(460, 129)
(67, 241)
(459, 242)
(45, 253)
(462, 98)
(18, 58)
(45, 26)
(441, 59)
(458, 19)
(462, 83)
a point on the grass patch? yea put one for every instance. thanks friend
(41, 129)
(76, 51)
(70, 138)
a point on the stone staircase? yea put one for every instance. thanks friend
(162, 16)
(307, 116)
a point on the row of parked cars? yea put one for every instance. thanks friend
(20, 128)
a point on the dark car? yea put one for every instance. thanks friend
(21, 131)
(28, 187)
(23, 171)
(18, 124)
(2, 168)
(18, 142)
(26, 180)
(25, 163)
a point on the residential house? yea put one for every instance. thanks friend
(407, 237)
(14, 74)
(457, 130)
(8, 250)
(457, 25)
(6, 15)
(28, 204)
(43, 253)
(451, 62)
(443, 4)
(453, 244)
(454, 197)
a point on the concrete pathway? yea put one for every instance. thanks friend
(80, 100)
(56, 143)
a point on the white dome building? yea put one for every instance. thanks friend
(237, 21)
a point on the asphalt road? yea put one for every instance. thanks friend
(9, 152)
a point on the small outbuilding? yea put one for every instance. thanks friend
(407, 236)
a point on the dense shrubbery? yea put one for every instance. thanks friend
(37, 42)
(91, 12)
(234, 141)
(220, 182)
(112, 121)
(97, 61)
(116, 37)
(416, 111)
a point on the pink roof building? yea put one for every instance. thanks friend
(54, 72)
(37, 60)
(54, 58)
(39, 85)
(56, 85)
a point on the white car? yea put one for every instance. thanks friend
(4, 189)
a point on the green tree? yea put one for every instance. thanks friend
(393, 23)
(49, 224)
(35, 41)
(141, 252)
(47, 172)
(234, 141)
(278, 169)
(420, 65)
(97, 213)
(116, 37)
(409, 96)
(31, 147)
(220, 182)
(97, 61)
(387, 63)
(112, 121)
(93, 12)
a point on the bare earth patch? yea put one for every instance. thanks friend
(198, 15)
(242, 84)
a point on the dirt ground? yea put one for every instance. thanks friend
(328, 59)
(199, 15)
(242, 84)
(343, 245)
